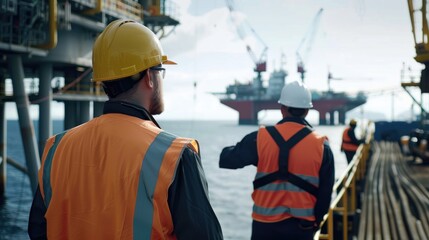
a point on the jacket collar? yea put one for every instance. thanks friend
(130, 109)
(298, 120)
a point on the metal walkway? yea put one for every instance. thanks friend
(395, 205)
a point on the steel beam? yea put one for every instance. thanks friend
(28, 136)
(3, 139)
(44, 101)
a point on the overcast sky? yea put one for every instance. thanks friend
(366, 43)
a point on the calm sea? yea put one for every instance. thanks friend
(230, 190)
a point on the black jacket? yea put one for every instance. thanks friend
(188, 199)
(352, 136)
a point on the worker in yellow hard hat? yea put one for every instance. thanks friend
(350, 143)
(120, 176)
(295, 171)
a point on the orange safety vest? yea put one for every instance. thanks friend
(109, 179)
(281, 199)
(347, 143)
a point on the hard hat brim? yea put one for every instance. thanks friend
(169, 62)
(165, 60)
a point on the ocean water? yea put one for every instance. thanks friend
(230, 190)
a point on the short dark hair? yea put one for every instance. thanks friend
(115, 87)
(297, 112)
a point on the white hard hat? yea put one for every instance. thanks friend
(296, 94)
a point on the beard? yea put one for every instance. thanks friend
(157, 103)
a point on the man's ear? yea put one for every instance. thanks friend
(148, 80)
(283, 110)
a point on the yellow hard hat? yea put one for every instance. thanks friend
(123, 49)
(353, 122)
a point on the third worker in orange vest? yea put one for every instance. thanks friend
(350, 143)
(295, 171)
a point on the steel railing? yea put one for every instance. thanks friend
(346, 190)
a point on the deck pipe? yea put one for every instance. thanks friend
(23, 49)
(45, 97)
(79, 20)
(97, 9)
(84, 109)
(27, 130)
(70, 107)
(89, 24)
(53, 33)
(3, 142)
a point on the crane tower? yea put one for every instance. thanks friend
(305, 45)
(252, 41)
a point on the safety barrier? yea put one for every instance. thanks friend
(346, 191)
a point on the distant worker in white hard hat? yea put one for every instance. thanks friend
(295, 171)
(120, 176)
(350, 143)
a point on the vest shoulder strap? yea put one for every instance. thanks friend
(283, 172)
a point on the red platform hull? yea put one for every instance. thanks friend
(248, 109)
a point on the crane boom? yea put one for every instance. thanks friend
(307, 40)
(419, 24)
(420, 32)
(243, 29)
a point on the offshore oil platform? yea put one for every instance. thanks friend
(252, 97)
(249, 99)
(46, 40)
(45, 56)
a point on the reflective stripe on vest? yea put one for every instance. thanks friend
(148, 178)
(123, 194)
(283, 162)
(297, 212)
(47, 169)
(347, 143)
(286, 186)
(281, 199)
